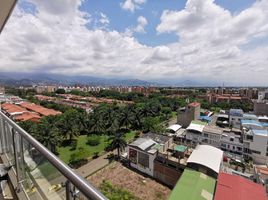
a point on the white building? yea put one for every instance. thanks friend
(212, 136)
(199, 133)
(235, 116)
(256, 145)
(231, 142)
(143, 151)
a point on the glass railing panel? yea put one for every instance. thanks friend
(41, 177)
(9, 142)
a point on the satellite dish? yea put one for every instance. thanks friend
(6, 7)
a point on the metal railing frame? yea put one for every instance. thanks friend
(78, 181)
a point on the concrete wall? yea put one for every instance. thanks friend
(260, 108)
(191, 113)
(235, 121)
(166, 174)
(150, 170)
(259, 143)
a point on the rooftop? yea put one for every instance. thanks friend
(161, 139)
(194, 104)
(143, 143)
(212, 129)
(196, 126)
(250, 116)
(250, 122)
(233, 187)
(205, 118)
(193, 185)
(28, 116)
(223, 116)
(236, 112)
(39, 109)
(213, 161)
(260, 132)
(180, 148)
(174, 127)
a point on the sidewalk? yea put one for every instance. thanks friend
(94, 165)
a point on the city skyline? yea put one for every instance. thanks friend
(213, 41)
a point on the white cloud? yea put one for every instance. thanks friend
(132, 5)
(212, 44)
(140, 28)
(104, 19)
(142, 22)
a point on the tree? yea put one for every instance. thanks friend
(69, 124)
(167, 112)
(152, 124)
(125, 117)
(47, 133)
(97, 124)
(60, 91)
(118, 142)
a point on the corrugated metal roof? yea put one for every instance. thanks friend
(174, 127)
(233, 187)
(250, 122)
(260, 132)
(143, 143)
(208, 156)
(196, 126)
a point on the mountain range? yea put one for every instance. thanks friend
(29, 79)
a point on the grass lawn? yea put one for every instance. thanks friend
(65, 152)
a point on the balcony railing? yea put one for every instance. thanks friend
(37, 173)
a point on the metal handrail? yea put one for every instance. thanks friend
(78, 181)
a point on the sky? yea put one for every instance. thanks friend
(222, 41)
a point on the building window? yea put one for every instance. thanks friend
(143, 159)
(132, 155)
(256, 152)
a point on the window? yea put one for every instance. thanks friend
(205, 135)
(143, 159)
(256, 152)
(132, 155)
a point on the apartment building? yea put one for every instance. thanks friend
(255, 143)
(231, 142)
(200, 133)
(235, 116)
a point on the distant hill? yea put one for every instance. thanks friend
(26, 79)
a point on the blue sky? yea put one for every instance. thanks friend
(169, 40)
(121, 19)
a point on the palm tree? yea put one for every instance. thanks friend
(47, 133)
(69, 124)
(97, 124)
(118, 142)
(125, 117)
